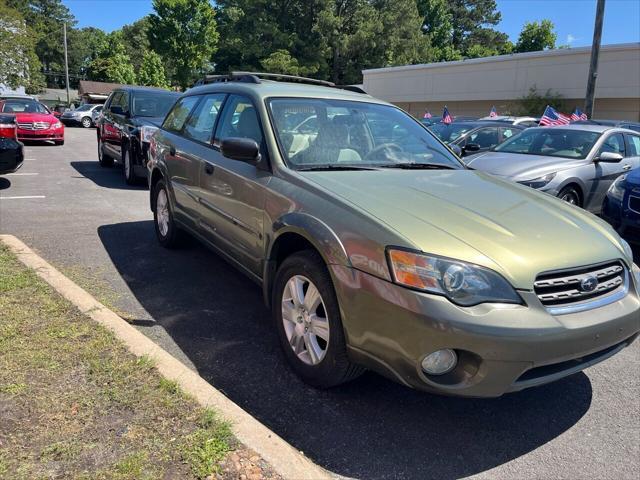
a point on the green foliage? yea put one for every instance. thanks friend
(534, 103)
(136, 41)
(19, 65)
(184, 32)
(282, 62)
(151, 72)
(536, 36)
(112, 63)
(84, 46)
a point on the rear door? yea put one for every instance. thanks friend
(182, 167)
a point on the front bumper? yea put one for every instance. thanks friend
(41, 135)
(501, 348)
(620, 215)
(71, 121)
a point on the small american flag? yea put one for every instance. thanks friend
(446, 118)
(578, 115)
(427, 114)
(493, 112)
(551, 117)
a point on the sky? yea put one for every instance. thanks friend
(573, 19)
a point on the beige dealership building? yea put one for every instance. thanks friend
(472, 87)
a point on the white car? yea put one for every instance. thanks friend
(83, 115)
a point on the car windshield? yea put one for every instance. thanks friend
(153, 104)
(23, 106)
(341, 134)
(84, 108)
(452, 131)
(551, 141)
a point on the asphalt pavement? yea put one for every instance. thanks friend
(85, 220)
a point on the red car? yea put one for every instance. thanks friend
(35, 121)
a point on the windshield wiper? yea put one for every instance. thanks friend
(328, 167)
(419, 166)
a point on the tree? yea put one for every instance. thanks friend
(282, 62)
(184, 33)
(151, 71)
(467, 16)
(437, 24)
(136, 40)
(84, 46)
(46, 18)
(19, 65)
(487, 42)
(536, 36)
(533, 103)
(112, 63)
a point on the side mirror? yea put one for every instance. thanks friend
(472, 147)
(609, 157)
(456, 149)
(242, 149)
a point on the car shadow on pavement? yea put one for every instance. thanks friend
(371, 428)
(107, 177)
(4, 183)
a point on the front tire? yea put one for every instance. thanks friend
(308, 321)
(129, 171)
(86, 122)
(571, 195)
(103, 159)
(167, 232)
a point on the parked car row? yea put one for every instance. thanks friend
(376, 246)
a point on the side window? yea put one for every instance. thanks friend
(486, 137)
(633, 145)
(614, 144)
(124, 102)
(508, 132)
(200, 124)
(179, 113)
(239, 119)
(114, 99)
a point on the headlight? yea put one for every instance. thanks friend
(57, 125)
(538, 182)
(146, 132)
(463, 283)
(616, 190)
(627, 248)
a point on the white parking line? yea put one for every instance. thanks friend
(22, 198)
(19, 174)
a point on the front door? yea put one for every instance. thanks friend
(606, 173)
(232, 192)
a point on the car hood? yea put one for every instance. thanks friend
(35, 117)
(519, 166)
(477, 218)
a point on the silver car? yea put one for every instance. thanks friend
(577, 163)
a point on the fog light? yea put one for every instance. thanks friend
(440, 362)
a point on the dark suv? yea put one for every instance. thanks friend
(129, 118)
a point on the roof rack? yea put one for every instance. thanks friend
(254, 77)
(287, 78)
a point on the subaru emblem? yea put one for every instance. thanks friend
(589, 284)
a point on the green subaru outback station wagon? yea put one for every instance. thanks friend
(377, 248)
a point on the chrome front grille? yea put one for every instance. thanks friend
(570, 291)
(34, 125)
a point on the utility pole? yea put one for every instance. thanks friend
(595, 54)
(66, 64)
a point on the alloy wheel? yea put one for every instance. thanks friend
(86, 122)
(570, 197)
(305, 320)
(162, 212)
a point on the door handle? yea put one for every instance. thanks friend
(626, 168)
(172, 151)
(208, 168)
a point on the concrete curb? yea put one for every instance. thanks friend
(285, 460)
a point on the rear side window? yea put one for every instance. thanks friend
(178, 115)
(200, 124)
(633, 145)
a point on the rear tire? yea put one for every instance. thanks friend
(167, 232)
(312, 337)
(571, 195)
(103, 159)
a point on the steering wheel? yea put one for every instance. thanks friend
(388, 148)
